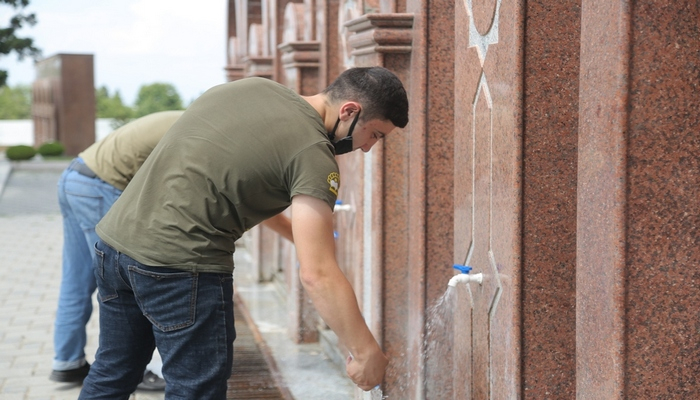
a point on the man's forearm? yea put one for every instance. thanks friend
(336, 303)
(331, 292)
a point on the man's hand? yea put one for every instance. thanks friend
(369, 372)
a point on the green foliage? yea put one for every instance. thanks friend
(111, 106)
(20, 152)
(157, 97)
(10, 42)
(151, 98)
(51, 149)
(15, 103)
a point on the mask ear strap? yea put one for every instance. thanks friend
(352, 126)
(331, 136)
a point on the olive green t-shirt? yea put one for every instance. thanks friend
(236, 157)
(116, 158)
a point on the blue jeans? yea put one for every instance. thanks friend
(188, 315)
(83, 201)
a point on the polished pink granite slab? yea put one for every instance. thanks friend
(487, 178)
(550, 140)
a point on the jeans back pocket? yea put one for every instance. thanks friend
(167, 299)
(105, 290)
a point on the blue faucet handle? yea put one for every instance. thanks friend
(462, 268)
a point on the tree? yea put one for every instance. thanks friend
(112, 107)
(10, 42)
(157, 97)
(15, 103)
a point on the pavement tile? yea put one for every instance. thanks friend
(31, 237)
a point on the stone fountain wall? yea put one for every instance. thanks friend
(553, 146)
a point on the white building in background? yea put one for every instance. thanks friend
(21, 131)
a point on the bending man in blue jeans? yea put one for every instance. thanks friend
(86, 191)
(241, 153)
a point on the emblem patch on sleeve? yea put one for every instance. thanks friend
(334, 182)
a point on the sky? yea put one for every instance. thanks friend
(134, 42)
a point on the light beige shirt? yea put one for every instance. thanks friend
(116, 158)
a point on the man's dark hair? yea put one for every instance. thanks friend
(377, 89)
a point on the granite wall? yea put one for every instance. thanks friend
(553, 146)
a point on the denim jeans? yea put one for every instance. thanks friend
(83, 201)
(188, 315)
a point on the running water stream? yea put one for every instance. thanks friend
(436, 346)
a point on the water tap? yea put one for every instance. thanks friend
(339, 206)
(464, 276)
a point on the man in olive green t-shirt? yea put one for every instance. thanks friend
(241, 153)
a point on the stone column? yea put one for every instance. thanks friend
(549, 175)
(303, 319)
(327, 33)
(428, 369)
(300, 62)
(236, 40)
(299, 57)
(600, 275)
(264, 251)
(391, 283)
(258, 62)
(638, 252)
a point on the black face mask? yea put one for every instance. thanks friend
(343, 145)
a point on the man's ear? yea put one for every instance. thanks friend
(348, 110)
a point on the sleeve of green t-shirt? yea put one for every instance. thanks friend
(314, 172)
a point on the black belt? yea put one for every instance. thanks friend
(82, 169)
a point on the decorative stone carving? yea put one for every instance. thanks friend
(300, 54)
(482, 41)
(380, 33)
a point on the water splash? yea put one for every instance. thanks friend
(436, 346)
